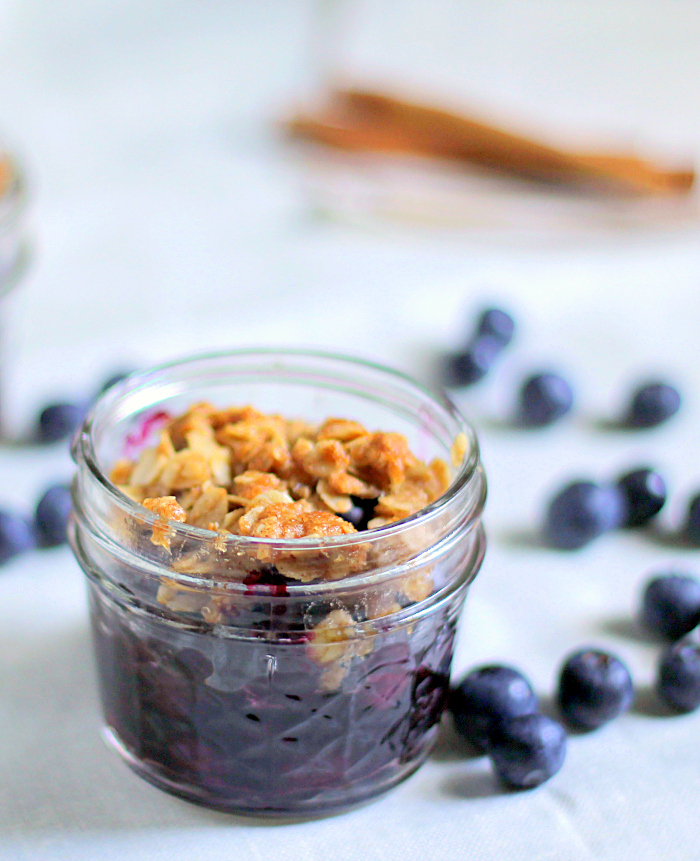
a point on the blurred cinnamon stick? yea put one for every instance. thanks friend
(361, 120)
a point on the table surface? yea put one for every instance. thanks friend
(170, 217)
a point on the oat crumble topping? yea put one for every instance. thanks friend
(238, 471)
(243, 472)
(167, 508)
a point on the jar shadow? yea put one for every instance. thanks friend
(476, 778)
(523, 539)
(629, 628)
(476, 781)
(450, 746)
(647, 703)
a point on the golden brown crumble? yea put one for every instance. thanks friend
(167, 508)
(243, 472)
(334, 643)
(238, 471)
(340, 429)
(381, 458)
(331, 636)
(291, 520)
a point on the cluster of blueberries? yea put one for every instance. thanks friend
(47, 527)
(494, 331)
(496, 710)
(546, 397)
(584, 510)
(494, 707)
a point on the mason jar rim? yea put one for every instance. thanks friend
(83, 449)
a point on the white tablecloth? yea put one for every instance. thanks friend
(169, 218)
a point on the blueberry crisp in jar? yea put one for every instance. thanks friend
(277, 547)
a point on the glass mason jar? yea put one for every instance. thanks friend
(230, 685)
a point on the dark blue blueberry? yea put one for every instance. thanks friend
(594, 688)
(692, 523)
(678, 682)
(644, 494)
(59, 421)
(467, 368)
(16, 536)
(361, 513)
(671, 605)
(51, 517)
(525, 751)
(652, 404)
(354, 515)
(497, 324)
(486, 696)
(581, 512)
(544, 398)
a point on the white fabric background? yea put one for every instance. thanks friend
(170, 218)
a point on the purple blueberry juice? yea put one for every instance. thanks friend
(247, 725)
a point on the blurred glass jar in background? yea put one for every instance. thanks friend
(14, 256)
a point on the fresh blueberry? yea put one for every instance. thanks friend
(525, 751)
(594, 688)
(486, 696)
(652, 404)
(16, 536)
(644, 494)
(678, 682)
(361, 513)
(671, 605)
(51, 517)
(467, 368)
(59, 421)
(544, 398)
(692, 524)
(497, 324)
(581, 512)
